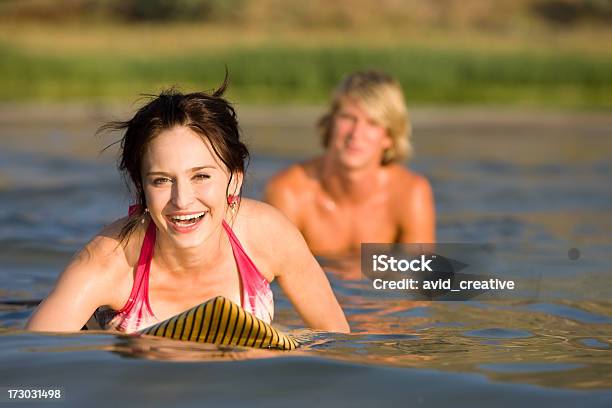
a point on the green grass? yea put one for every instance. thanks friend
(307, 75)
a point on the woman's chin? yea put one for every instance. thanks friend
(187, 242)
(187, 236)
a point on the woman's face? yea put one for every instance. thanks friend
(185, 186)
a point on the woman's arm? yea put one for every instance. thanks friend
(299, 275)
(85, 284)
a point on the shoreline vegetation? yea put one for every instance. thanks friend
(295, 55)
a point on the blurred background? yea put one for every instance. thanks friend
(510, 103)
(519, 89)
(534, 53)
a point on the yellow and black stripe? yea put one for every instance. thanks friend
(221, 321)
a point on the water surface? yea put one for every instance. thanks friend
(533, 188)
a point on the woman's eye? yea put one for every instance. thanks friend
(201, 176)
(161, 180)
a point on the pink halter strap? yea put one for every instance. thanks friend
(140, 289)
(251, 278)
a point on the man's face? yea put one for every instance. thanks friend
(357, 140)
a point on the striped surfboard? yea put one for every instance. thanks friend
(221, 321)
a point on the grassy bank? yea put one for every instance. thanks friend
(278, 74)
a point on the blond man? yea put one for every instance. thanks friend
(358, 191)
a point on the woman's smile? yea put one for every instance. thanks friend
(185, 222)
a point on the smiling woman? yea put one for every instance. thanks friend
(187, 238)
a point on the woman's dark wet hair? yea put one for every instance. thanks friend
(209, 115)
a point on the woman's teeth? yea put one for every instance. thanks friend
(187, 219)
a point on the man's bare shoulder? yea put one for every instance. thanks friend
(292, 189)
(412, 193)
(413, 205)
(405, 181)
(296, 177)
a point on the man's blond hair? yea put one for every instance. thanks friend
(381, 96)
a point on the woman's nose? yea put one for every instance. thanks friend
(182, 194)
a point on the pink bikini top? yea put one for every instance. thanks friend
(136, 314)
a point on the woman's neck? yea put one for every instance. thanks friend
(187, 261)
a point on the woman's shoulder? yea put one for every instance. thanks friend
(258, 220)
(101, 269)
(264, 231)
(109, 251)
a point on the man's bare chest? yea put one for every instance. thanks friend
(341, 230)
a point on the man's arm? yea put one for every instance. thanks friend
(417, 213)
